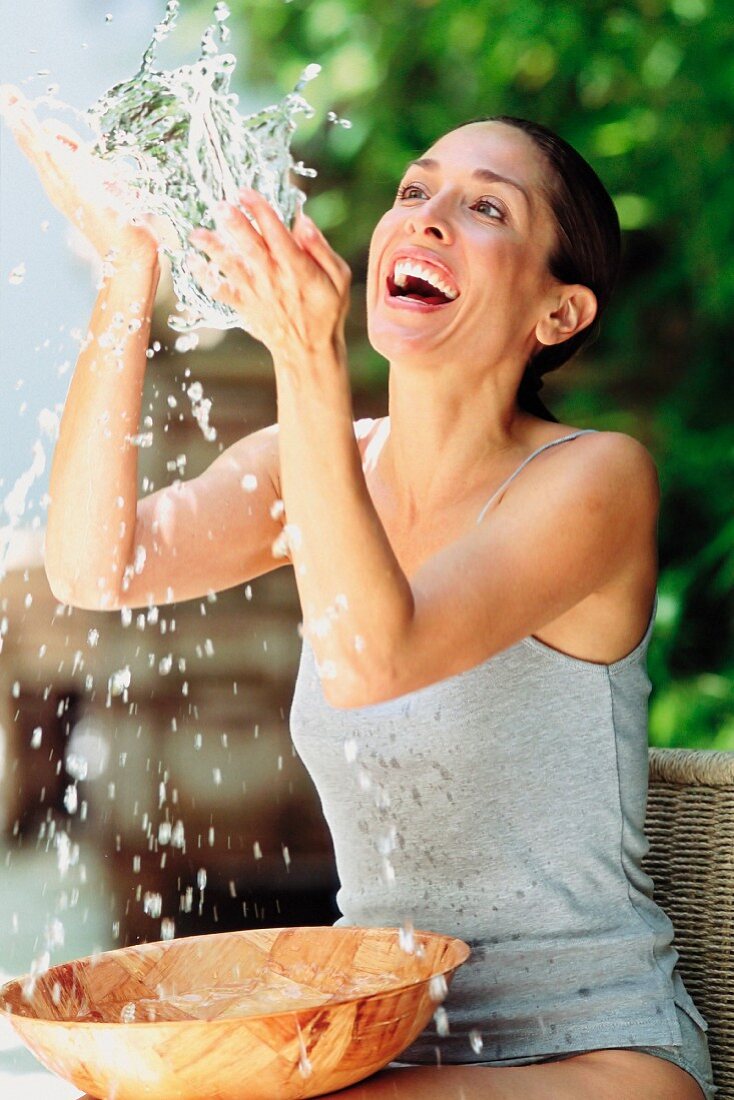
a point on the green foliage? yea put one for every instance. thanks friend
(645, 90)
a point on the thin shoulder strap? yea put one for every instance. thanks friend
(552, 443)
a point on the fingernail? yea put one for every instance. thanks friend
(8, 98)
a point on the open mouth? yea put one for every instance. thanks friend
(419, 283)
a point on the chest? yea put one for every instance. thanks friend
(601, 629)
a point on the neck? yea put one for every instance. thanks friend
(446, 439)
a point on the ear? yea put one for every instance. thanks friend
(573, 309)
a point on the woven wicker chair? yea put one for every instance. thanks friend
(690, 825)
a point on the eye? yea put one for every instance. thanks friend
(486, 206)
(404, 192)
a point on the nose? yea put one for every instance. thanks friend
(429, 219)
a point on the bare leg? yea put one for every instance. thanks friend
(599, 1075)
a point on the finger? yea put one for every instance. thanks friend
(207, 274)
(220, 250)
(315, 243)
(10, 96)
(234, 226)
(279, 239)
(35, 142)
(36, 145)
(59, 131)
(214, 286)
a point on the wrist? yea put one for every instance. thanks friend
(317, 363)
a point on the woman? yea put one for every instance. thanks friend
(477, 584)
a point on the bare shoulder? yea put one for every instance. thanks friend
(613, 465)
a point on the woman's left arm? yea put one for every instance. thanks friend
(375, 633)
(292, 293)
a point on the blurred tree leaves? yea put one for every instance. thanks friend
(645, 90)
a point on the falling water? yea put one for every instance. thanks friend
(189, 147)
(182, 146)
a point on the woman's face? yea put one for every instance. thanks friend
(470, 217)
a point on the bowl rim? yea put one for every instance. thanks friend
(94, 959)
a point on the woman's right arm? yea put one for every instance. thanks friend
(104, 549)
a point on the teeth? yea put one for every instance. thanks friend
(404, 268)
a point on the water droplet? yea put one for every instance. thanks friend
(249, 483)
(76, 765)
(332, 116)
(152, 904)
(168, 928)
(186, 343)
(108, 18)
(304, 1065)
(201, 878)
(17, 275)
(93, 636)
(55, 934)
(441, 1019)
(120, 680)
(127, 1013)
(141, 439)
(476, 1041)
(406, 938)
(437, 988)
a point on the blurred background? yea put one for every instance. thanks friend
(147, 771)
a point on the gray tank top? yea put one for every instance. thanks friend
(506, 805)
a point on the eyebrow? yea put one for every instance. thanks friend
(479, 174)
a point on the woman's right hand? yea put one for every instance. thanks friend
(80, 185)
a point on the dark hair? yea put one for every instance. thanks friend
(587, 248)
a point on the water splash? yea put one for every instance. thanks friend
(184, 146)
(17, 275)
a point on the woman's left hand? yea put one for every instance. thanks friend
(289, 288)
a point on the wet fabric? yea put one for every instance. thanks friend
(506, 805)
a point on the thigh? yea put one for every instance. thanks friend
(600, 1074)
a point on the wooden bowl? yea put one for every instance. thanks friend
(273, 1013)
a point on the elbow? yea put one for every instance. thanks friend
(79, 596)
(354, 686)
